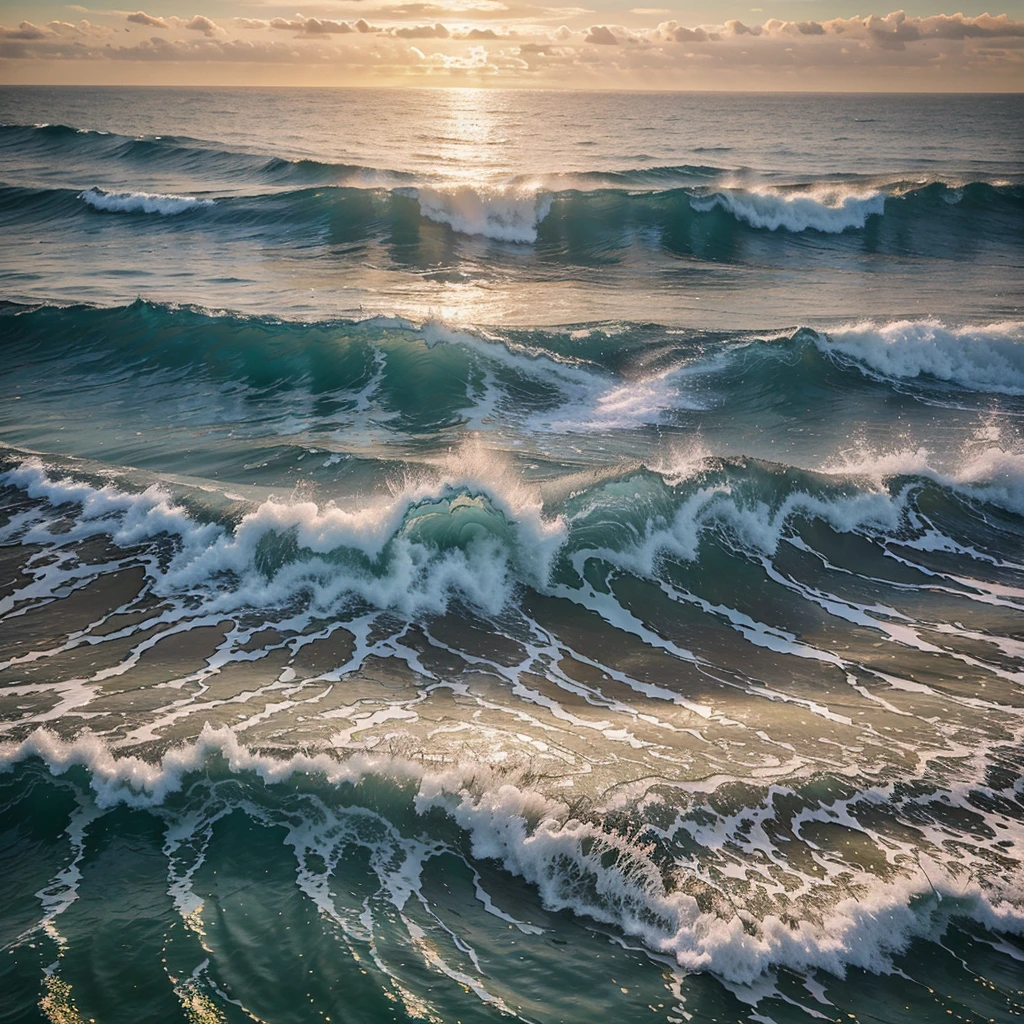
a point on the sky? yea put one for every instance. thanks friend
(584, 44)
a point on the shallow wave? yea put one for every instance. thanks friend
(141, 202)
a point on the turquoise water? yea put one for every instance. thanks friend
(469, 555)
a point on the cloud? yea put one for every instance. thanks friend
(307, 26)
(871, 52)
(26, 30)
(680, 33)
(141, 18)
(201, 24)
(437, 31)
(602, 35)
(475, 11)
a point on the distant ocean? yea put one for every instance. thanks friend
(473, 555)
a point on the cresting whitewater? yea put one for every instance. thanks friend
(561, 561)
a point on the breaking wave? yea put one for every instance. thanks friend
(826, 209)
(141, 202)
(502, 216)
(473, 530)
(577, 863)
(986, 358)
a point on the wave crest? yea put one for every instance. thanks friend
(828, 210)
(503, 216)
(584, 864)
(141, 202)
(470, 531)
(987, 358)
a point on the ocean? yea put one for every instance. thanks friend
(471, 555)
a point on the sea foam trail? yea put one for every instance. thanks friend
(141, 202)
(986, 358)
(501, 215)
(828, 210)
(579, 864)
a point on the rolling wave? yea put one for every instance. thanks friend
(826, 210)
(186, 157)
(569, 225)
(597, 377)
(543, 210)
(989, 358)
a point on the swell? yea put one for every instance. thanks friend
(598, 227)
(181, 156)
(195, 156)
(574, 373)
(607, 205)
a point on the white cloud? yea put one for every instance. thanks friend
(141, 18)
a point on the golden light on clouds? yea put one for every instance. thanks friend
(488, 42)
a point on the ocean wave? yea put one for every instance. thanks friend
(824, 209)
(990, 474)
(988, 358)
(604, 378)
(470, 531)
(141, 202)
(191, 158)
(588, 866)
(575, 225)
(503, 216)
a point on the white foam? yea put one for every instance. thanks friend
(141, 202)
(594, 401)
(605, 406)
(504, 215)
(985, 358)
(829, 210)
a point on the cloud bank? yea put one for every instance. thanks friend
(490, 41)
